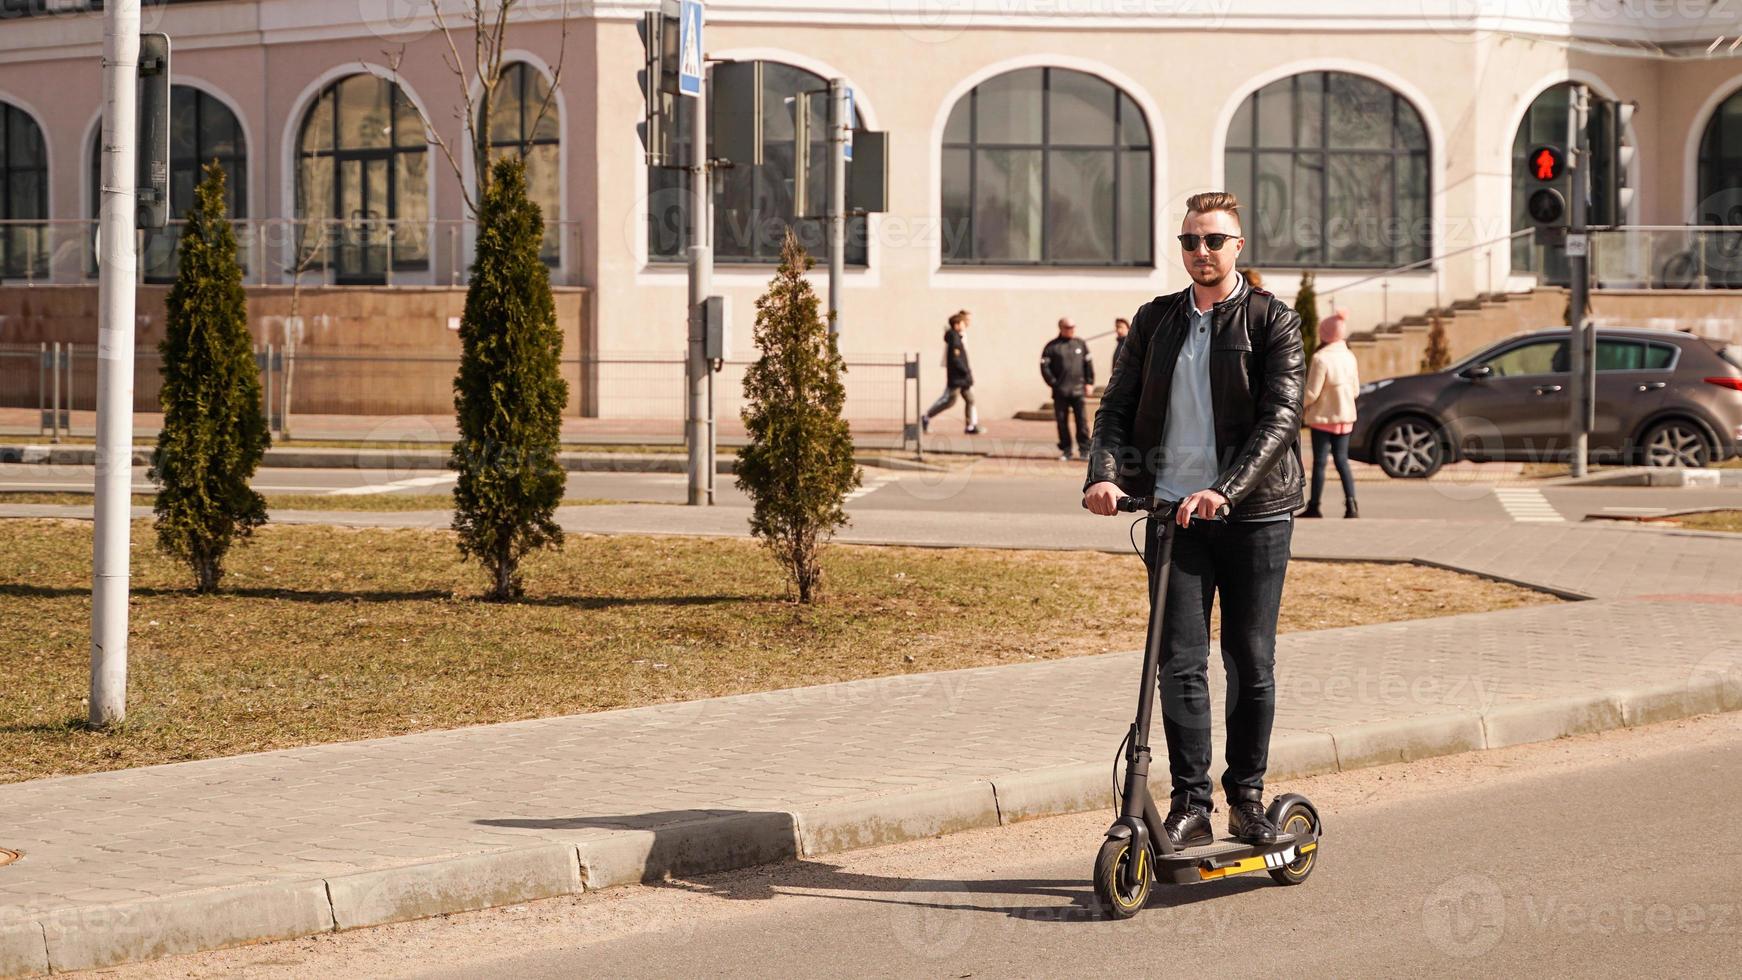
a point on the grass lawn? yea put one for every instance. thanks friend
(374, 502)
(1712, 520)
(328, 634)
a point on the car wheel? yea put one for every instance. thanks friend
(1410, 448)
(1675, 442)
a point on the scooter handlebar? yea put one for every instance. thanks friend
(1155, 505)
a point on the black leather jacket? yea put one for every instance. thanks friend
(1257, 373)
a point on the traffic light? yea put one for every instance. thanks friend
(735, 106)
(658, 78)
(1612, 158)
(1546, 205)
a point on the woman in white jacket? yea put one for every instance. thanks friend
(1331, 384)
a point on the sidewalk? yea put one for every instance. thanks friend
(148, 862)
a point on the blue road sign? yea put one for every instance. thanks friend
(689, 63)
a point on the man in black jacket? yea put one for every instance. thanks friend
(1066, 368)
(1204, 407)
(958, 376)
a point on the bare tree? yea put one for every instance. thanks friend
(488, 23)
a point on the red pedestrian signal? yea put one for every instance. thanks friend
(1547, 164)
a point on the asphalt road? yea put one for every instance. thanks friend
(1608, 855)
(1006, 488)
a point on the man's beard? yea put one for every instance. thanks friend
(1198, 276)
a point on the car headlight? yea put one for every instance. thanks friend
(1372, 386)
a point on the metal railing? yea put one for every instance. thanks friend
(50, 389)
(279, 251)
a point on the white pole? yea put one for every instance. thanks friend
(117, 266)
(701, 283)
(837, 214)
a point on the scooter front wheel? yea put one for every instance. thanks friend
(1123, 876)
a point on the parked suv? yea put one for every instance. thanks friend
(1663, 399)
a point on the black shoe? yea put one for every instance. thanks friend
(1188, 827)
(1312, 510)
(925, 423)
(1349, 508)
(1247, 821)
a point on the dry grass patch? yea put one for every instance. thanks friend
(1712, 520)
(329, 634)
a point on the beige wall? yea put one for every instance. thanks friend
(1470, 88)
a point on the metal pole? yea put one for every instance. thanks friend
(698, 418)
(918, 412)
(837, 212)
(117, 272)
(42, 406)
(55, 372)
(1578, 264)
(69, 391)
(713, 439)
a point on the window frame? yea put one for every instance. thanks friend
(12, 115)
(1251, 147)
(1046, 148)
(528, 140)
(398, 100)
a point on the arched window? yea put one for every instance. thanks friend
(23, 195)
(1720, 167)
(362, 180)
(1047, 166)
(1334, 169)
(1544, 122)
(753, 206)
(517, 125)
(201, 129)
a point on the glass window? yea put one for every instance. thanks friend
(754, 206)
(1047, 166)
(202, 129)
(1334, 167)
(23, 195)
(1720, 193)
(1627, 355)
(523, 120)
(362, 180)
(1542, 357)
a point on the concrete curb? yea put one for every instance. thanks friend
(421, 459)
(109, 935)
(1654, 476)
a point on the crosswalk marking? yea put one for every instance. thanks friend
(1527, 504)
(873, 484)
(414, 482)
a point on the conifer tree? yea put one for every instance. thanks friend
(509, 393)
(798, 465)
(1438, 356)
(1306, 303)
(214, 432)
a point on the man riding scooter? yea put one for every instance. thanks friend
(1204, 407)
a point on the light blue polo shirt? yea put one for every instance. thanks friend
(1188, 443)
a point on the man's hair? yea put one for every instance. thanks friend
(957, 317)
(1215, 201)
(1118, 320)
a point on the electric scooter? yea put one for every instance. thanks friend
(1137, 853)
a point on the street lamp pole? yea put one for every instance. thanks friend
(117, 265)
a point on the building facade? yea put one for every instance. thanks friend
(1041, 150)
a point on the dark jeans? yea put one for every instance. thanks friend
(1245, 562)
(1061, 413)
(1325, 444)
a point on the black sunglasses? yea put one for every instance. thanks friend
(1191, 242)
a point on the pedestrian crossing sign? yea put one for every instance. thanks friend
(690, 67)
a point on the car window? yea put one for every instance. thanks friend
(1629, 355)
(1538, 358)
(1732, 354)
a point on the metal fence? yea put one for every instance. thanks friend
(278, 251)
(51, 389)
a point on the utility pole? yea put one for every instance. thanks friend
(117, 266)
(701, 283)
(839, 133)
(1579, 273)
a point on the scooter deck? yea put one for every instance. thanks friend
(1224, 850)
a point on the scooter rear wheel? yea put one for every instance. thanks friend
(1121, 886)
(1298, 820)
